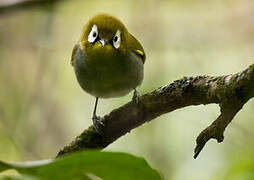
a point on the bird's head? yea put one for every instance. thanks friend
(104, 34)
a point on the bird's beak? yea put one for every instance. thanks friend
(103, 42)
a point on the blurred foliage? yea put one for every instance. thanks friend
(243, 170)
(240, 169)
(87, 165)
(42, 107)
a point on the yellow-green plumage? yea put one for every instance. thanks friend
(104, 71)
(108, 61)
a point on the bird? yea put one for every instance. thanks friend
(108, 61)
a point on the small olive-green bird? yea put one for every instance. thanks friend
(108, 60)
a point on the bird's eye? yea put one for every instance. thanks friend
(117, 39)
(93, 34)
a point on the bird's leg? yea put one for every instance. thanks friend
(135, 96)
(97, 123)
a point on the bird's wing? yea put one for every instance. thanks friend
(73, 53)
(137, 48)
(141, 54)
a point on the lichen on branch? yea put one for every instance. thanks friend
(231, 92)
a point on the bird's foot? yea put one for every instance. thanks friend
(135, 97)
(98, 124)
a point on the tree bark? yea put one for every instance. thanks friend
(231, 92)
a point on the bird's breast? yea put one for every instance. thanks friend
(104, 73)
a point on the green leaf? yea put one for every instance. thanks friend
(4, 166)
(16, 178)
(88, 165)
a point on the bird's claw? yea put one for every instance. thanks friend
(135, 97)
(98, 124)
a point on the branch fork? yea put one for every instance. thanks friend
(231, 92)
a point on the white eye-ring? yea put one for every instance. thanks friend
(93, 34)
(117, 39)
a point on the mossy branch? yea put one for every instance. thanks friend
(231, 92)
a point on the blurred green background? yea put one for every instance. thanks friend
(42, 107)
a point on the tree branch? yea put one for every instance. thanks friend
(231, 92)
(13, 5)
